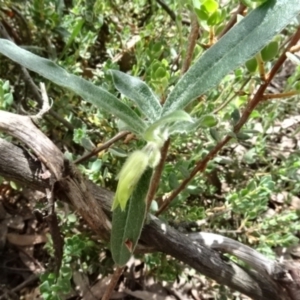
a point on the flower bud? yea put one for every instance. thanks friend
(129, 176)
(153, 151)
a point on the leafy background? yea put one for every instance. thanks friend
(250, 192)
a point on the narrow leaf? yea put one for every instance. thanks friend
(206, 121)
(88, 91)
(139, 92)
(127, 225)
(241, 43)
(176, 116)
(182, 127)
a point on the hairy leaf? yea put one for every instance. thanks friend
(88, 91)
(139, 92)
(176, 116)
(127, 225)
(241, 43)
(129, 176)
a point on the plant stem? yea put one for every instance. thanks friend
(261, 67)
(280, 95)
(102, 147)
(233, 19)
(192, 39)
(157, 174)
(112, 284)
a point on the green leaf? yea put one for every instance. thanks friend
(173, 181)
(139, 92)
(182, 127)
(210, 5)
(241, 43)
(127, 225)
(88, 91)
(214, 19)
(235, 116)
(207, 121)
(176, 116)
(202, 14)
(72, 37)
(251, 64)
(215, 134)
(270, 51)
(243, 136)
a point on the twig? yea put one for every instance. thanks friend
(28, 281)
(168, 10)
(257, 98)
(259, 94)
(261, 66)
(46, 105)
(211, 36)
(113, 282)
(295, 48)
(24, 21)
(280, 95)
(193, 36)
(102, 147)
(157, 174)
(233, 19)
(232, 97)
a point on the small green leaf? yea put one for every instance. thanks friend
(72, 218)
(270, 51)
(173, 181)
(223, 160)
(117, 152)
(139, 92)
(127, 225)
(251, 64)
(88, 91)
(243, 136)
(182, 127)
(210, 5)
(96, 166)
(13, 185)
(202, 14)
(250, 156)
(71, 38)
(215, 134)
(235, 116)
(207, 121)
(160, 73)
(214, 19)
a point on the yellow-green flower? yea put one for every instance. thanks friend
(129, 176)
(153, 151)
